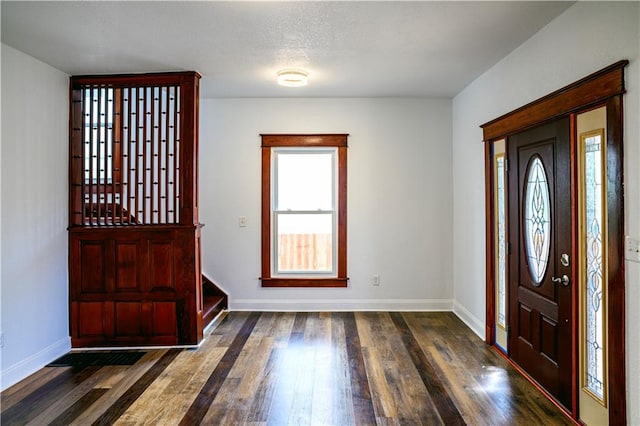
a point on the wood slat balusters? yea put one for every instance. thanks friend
(130, 137)
(297, 368)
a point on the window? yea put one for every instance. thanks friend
(500, 239)
(592, 176)
(304, 220)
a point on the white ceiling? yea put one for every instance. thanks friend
(350, 49)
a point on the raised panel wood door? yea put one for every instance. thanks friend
(540, 282)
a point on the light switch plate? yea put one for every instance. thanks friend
(632, 249)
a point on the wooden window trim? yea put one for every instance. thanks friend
(304, 140)
(602, 88)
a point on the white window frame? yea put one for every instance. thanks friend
(275, 212)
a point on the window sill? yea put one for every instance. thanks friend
(304, 282)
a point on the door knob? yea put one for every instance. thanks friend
(564, 280)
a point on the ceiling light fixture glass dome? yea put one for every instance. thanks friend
(292, 78)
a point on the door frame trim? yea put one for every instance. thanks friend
(602, 88)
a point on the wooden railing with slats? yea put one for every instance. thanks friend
(127, 162)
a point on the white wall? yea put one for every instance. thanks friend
(584, 39)
(399, 199)
(34, 302)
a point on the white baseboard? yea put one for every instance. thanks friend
(22, 369)
(336, 305)
(469, 319)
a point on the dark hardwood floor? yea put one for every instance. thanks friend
(323, 368)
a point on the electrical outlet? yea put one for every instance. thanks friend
(375, 280)
(632, 249)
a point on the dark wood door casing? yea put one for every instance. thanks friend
(602, 88)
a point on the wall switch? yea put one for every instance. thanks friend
(632, 249)
(1, 340)
(242, 221)
(375, 280)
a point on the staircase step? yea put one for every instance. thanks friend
(214, 300)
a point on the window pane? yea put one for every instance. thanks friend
(304, 181)
(501, 245)
(304, 242)
(537, 220)
(594, 263)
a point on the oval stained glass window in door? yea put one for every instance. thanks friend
(537, 219)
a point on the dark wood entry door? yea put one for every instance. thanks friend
(540, 281)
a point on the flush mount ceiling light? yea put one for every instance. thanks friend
(292, 78)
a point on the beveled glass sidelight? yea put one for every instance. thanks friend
(501, 243)
(537, 219)
(593, 216)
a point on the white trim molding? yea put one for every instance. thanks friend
(469, 319)
(337, 305)
(22, 369)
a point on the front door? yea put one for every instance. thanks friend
(540, 256)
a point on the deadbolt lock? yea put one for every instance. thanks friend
(564, 259)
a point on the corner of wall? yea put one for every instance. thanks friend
(476, 325)
(18, 371)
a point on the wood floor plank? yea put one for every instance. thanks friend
(368, 327)
(343, 410)
(248, 371)
(73, 411)
(466, 362)
(439, 393)
(133, 393)
(222, 403)
(280, 368)
(239, 410)
(22, 389)
(184, 385)
(169, 397)
(28, 408)
(458, 380)
(456, 375)
(410, 397)
(264, 396)
(76, 397)
(126, 377)
(384, 404)
(116, 374)
(323, 382)
(200, 405)
(291, 363)
(300, 412)
(360, 391)
(235, 398)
